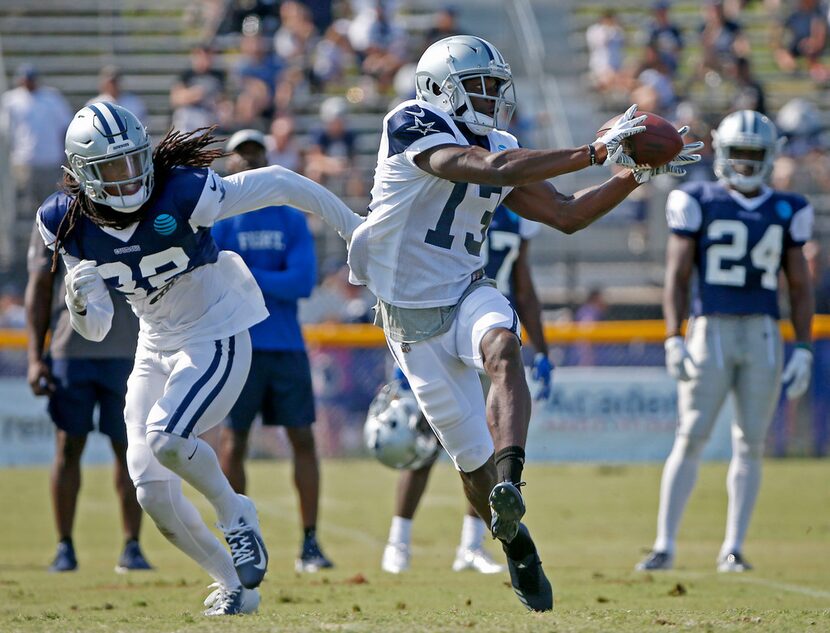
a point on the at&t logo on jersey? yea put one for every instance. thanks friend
(165, 224)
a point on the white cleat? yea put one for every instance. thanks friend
(231, 601)
(395, 558)
(477, 560)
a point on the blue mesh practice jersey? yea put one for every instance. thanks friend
(167, 265)
(504, 238)
(740, 243)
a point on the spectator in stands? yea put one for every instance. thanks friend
(335, 300)
(749, 93)
(78, 375)
(331, 152)
(722, 41)
(109, 85)
(333, 57)
(321, 13)
(33, 120)
(198, 95)
(665, 36)
(381, 43)
(282, 146)
(805, 31)
(240, 12)
(444, 24)
(653, 89)
(591, 311)
(688, 113)
(278, 248)
(294, 41)
(606, 40)
(256, 76)
(12, 312)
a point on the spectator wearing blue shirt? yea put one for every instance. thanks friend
(278, 248)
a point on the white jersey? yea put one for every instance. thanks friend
(182, 288)
(423, 237)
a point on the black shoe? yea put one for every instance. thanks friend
(656, 561)
(507, 508)
(64, 558)
(528, 578)
(311, 558)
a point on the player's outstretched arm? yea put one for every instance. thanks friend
(520, 166)
(543, 203)
(272, 186)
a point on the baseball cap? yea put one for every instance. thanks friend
(244, 136)
(26, 71)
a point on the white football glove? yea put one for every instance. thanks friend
(81, 282)
(797, 372)
(678, 361)
(675, 167)
(613, 139)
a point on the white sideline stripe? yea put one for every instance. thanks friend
(785, 586)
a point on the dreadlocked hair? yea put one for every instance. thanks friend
(176, 149)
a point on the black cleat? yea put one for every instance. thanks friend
(507, 508)
(528, 579)
(656, 561)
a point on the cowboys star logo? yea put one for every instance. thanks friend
(420, 126)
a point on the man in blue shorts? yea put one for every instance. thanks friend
(278, 248)
(77, 375)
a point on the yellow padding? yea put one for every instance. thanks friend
(601, 332)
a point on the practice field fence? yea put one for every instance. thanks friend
(611, 401)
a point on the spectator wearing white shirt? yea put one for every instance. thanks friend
(605, 40)
(33, 119)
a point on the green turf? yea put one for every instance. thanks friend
(592, 524)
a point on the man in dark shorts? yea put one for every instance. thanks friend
(79, 375)
(278, 248)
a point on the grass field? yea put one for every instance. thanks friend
(592, 524)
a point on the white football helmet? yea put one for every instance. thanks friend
(745, 129)
(447, 63)
(396, 431)
(109, 154)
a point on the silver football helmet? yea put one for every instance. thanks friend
(744, 130)
(110, 156)
(396, 431)
(453, 60)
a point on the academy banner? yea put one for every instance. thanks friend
(613, 414)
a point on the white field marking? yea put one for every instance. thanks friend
(754, 580)
(785, 586)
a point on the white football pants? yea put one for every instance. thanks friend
(443, 372)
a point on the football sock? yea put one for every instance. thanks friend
(510, 462)
(195, 461)
(472, 532)
(180, 522)
(679, 476)
(400, 532)
(742, 483)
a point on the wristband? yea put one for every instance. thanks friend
(804, 345)
(592, 153)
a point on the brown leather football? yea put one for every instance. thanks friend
(658, 145)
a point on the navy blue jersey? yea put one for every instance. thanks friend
(740, 243)
(145, 257)
(504, 238)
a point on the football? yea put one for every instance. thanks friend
(656, 146)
